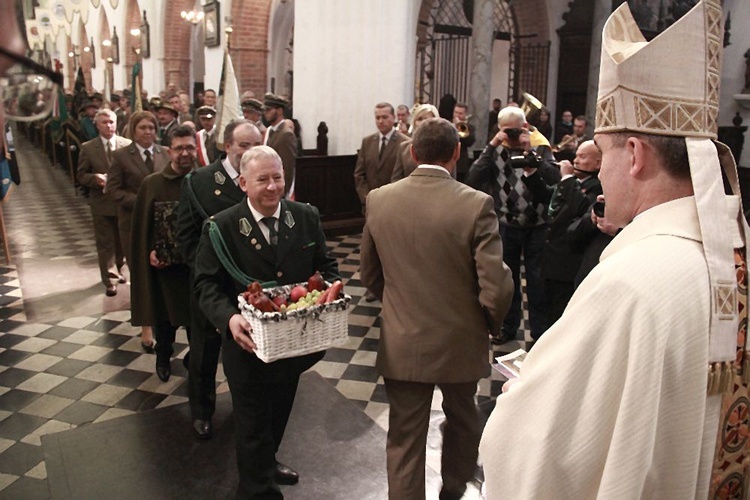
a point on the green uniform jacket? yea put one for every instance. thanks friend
(156, 295)
(301, 251)
(213, 191)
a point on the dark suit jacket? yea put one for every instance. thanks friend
(440, 274)
(571, 199)
(284, 142)
(92, 160)
(165, 136)
(301, 251)
(125, 177)
(585, 237)
(212, 191)
(373, 170)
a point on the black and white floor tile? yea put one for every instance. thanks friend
(80, 361)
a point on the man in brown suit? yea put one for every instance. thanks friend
(280, 138)
(93, 165)
(444, 287)
(378, 153)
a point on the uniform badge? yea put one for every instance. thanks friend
(219, 178)
(288, 219)
(245, 226)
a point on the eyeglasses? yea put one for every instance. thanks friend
(28, 89)
(184, 149)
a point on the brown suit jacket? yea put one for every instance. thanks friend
(123, 180)
(284, 142)
(440, 274)
(93, 160)
(404, 164)
(372, 170)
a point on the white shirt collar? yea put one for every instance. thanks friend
(387, 136)
(435, 167)
(141, 149)
(111, 142)
(230, 170)
(258, 216)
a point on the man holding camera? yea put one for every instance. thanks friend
(502, 171)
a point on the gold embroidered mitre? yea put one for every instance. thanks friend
(669, 86)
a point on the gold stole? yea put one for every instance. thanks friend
(730, 475)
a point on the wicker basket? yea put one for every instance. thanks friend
(284, 335)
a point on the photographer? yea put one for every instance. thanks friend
(502, 171)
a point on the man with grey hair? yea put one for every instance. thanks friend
(269, 238)
(502, 170)
(206, 192)
(93, 164)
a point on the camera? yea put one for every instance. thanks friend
(599, 209)
(513, 133)
(523, 159)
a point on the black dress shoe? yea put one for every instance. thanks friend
(285, 475)
(163, 372)
(111, 291)
(202, 428)
(148, 347)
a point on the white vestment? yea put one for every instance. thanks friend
(612, 400)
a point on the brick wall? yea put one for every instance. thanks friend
(249, 47)
(176, 35)
(127, 41)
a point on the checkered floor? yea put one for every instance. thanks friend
(57, 373)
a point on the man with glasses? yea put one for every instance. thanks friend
(157, 270)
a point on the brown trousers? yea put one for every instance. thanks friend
(408, 424)
(109, 248)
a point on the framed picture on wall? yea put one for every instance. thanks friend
(211, 24)
(145, 39)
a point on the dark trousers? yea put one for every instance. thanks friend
(408, 423)
(529, 242)
(557, 294)
(164, 333)
(261, 411)
(205, 349)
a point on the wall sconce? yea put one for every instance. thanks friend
(193, 16)
(90, 49)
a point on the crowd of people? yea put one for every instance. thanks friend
(638, 362)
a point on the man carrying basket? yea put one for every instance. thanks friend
(268, 238)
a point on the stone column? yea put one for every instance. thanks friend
(602, 10)
(483, 30)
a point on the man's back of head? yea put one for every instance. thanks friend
(436, 142)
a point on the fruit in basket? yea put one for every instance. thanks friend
(334, 291)
(261, 302)
(316, 282)
(297, 293)
(281, 300)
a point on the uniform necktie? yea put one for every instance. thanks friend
(149, 161)
(273, 236)
(382, 148)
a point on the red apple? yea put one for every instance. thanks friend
(280, 300)
(297, 293)
(316, 282)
